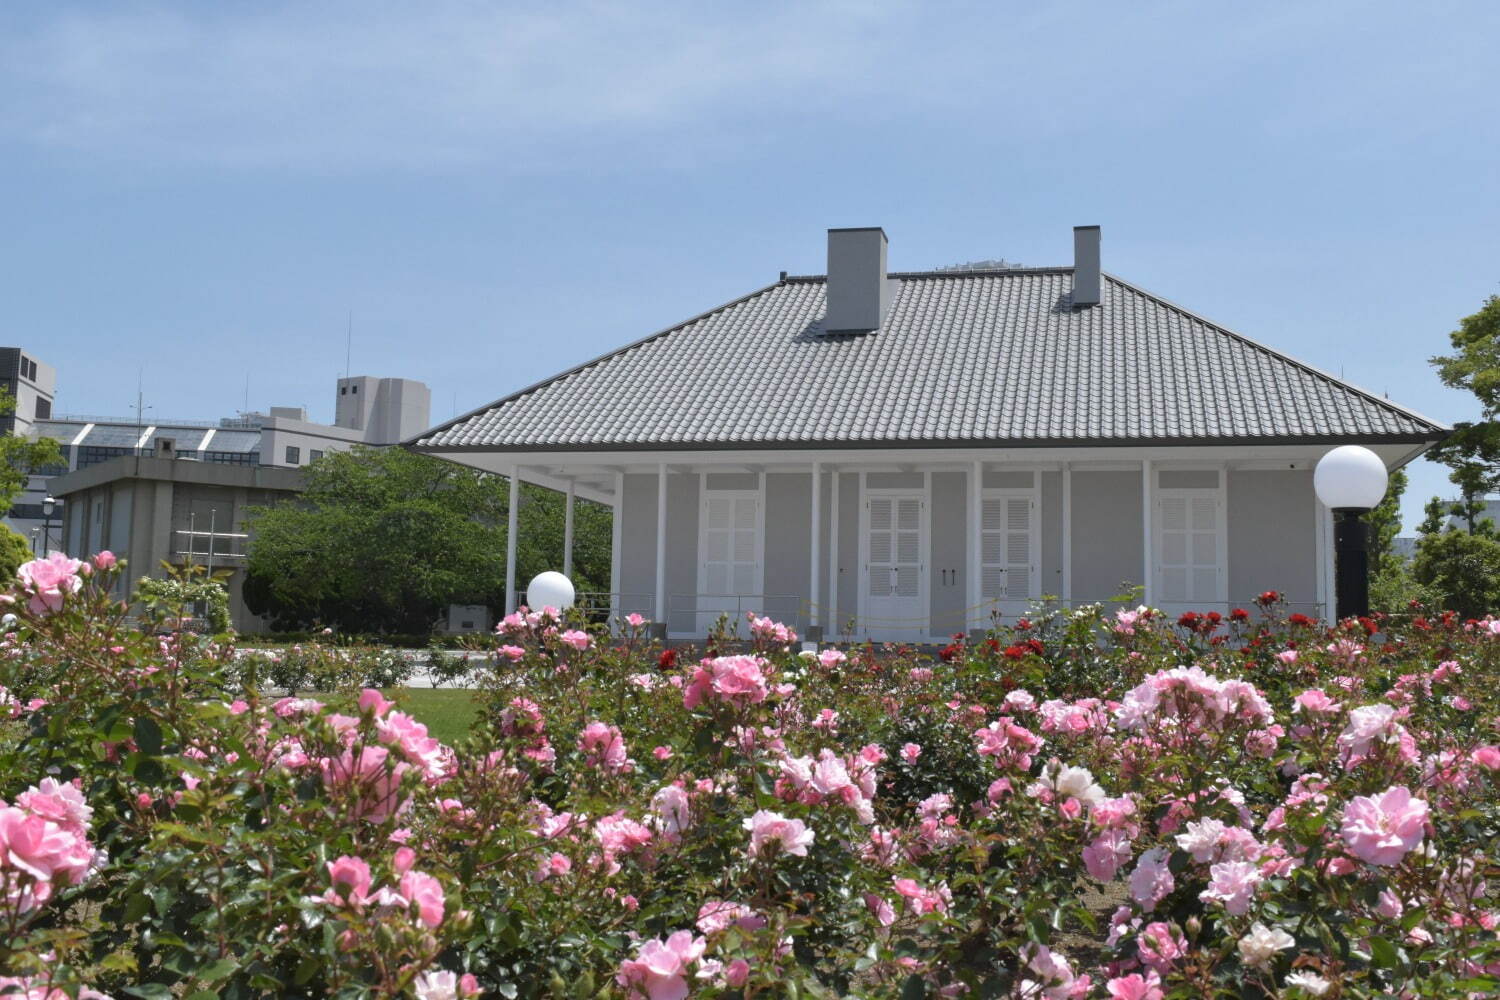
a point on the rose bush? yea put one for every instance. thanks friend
(1081, 805)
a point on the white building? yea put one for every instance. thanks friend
(911, 452)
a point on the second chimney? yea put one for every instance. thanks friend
(858, 293)
(1085, 265)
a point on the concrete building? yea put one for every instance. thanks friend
(898, 456)
(150, 509)
(33, 386)
(368, 411)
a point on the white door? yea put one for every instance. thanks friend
(1008, 551)
(729, 565)
(895, 577)
(1189, 550)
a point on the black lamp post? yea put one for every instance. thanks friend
(48, 504)
(1350, 480)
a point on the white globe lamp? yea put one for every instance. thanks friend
(1350, 478)
(1350, 481)
(550, 590)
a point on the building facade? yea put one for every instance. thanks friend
(368, 411)
(902, 456)
(148, 510)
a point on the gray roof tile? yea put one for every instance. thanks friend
(999, 358)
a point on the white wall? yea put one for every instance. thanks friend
(1273, 537)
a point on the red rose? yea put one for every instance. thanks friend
(1022, 625)
(1269, 597)
(1239, 615)
(667, 660)
(1016, 652)
(950, 652)
(1298, 619)
(1035, 645)
(1189, 620)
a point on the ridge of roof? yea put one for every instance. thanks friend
(1279, 355)
(978, 272)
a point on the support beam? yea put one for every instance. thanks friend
(1067, 535)
(1147, 562)
(815, 589)
(616, 539)
(975, 538)
(510, 539)
(568, 531)
(833, 556)
(660, 614)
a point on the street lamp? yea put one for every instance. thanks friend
(1350, 480)
(48, 504)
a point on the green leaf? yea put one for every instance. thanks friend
(147, 735)
(915, 987)
(218, 970)
(1383, 954)
(150, 991)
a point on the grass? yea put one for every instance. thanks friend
(446, 712)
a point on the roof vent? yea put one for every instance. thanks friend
(859, 295)
(1085, 265)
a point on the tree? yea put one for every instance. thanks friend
(383, 540)
(1472, 451)
(14, 550)
(1385, 524)
(21, 457)
(1463, 571)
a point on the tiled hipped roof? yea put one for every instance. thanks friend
(992, 358)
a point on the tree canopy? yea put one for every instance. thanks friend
(1472, 451)
(383, 540)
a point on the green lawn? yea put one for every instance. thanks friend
(446, 712)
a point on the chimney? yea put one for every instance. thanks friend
(858, 293)
(1085, 265)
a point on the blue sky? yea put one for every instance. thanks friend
(498, 191)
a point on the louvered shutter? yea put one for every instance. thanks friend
(1007, 559)
(1188, 556)
(730, 526)
(895, 540)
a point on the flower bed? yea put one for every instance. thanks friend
(1082, 806)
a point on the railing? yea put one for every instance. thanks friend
(697, 614)
(209, 546)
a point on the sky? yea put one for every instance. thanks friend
(206, 198)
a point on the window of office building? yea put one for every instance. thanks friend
(230, 457)
(89, 454)
(293, 455)
(314, 455)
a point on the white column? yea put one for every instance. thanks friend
(661, 543)
(1067, 535)
(568, 531)
(833, 555)
(975, 556)
(616, 540)
(815, 571)
(510, 539)
(1147, 493)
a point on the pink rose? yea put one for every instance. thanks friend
(659, 970)
(426, 893)
(49, 580)
(1152, 881)
(578, 640)
(770, 828)
(1381, 831)
(351, 878)
(1233, 884)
